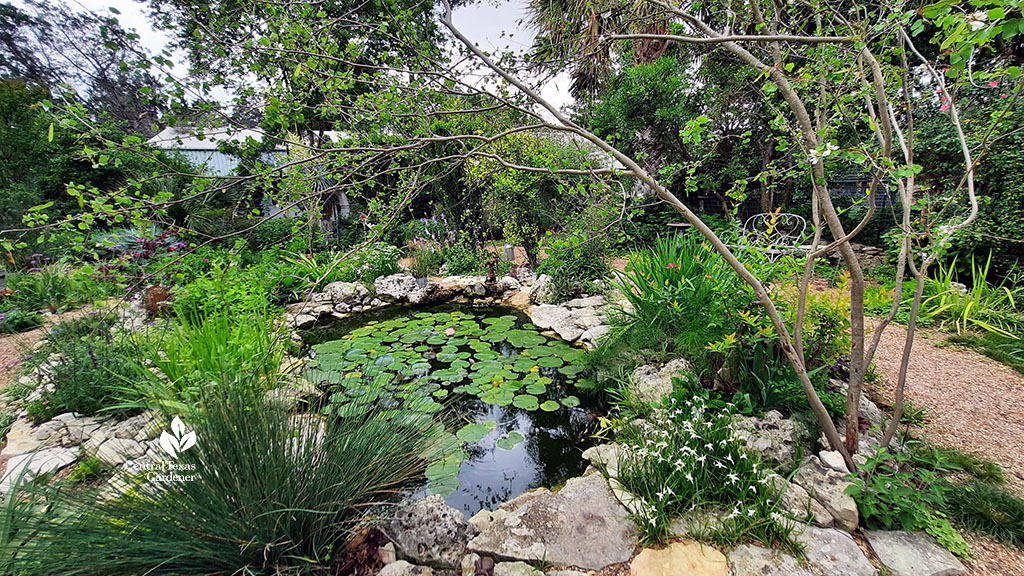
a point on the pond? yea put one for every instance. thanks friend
(515, 418)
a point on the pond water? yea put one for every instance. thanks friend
(515, 419)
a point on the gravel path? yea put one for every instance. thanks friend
(974, 404)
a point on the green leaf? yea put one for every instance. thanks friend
(525, 401)
(49, 135)
(549, 406)
(475, 432)
(510, 441)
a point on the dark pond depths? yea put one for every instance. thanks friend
(515, 418)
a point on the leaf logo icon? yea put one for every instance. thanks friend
(179, 441)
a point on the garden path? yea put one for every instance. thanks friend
(13, 347)
(974, 404)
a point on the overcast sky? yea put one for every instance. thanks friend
(493, 24)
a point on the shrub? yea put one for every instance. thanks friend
(94, 324)
(371, 262)
(273, 495)
(272, 232)
(55, 287)
(226, 290)
(17, 320)
(982, 507)
(89, 376)
(40, 411)
(462, 257)
(680, 285)
(690, 462)
(573, 264)
(893, 495)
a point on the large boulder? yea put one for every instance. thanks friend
(429, 531)
(651, 383)
(568, 323)
(828, 487)
(395, 287)
(913, 554)
(351, 293)
(581, 525)
(773, 437)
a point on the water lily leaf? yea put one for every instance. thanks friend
(511, 441)
(570, 401)
(442, 468)
(549, 362)
(549, 406)
(536, 388)
(475, 432)
(525, 401)
(444, 486)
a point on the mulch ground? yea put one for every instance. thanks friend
(974, 404)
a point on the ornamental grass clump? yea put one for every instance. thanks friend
(684, 463)
(260, 492)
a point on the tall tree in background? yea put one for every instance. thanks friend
(101, 62)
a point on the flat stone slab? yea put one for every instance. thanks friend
(581, 525)
(689, 558)
(834, 552)
(828, 487)
(27, 466)
(750, 560)
(913, 554)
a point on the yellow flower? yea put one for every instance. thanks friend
(354, 375)
(535, 369)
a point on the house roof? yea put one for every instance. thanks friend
(188, 139)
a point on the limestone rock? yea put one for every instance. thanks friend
(543, 290)
(387, 553)
(652, 383)
(588, 302)
(468, 567)
(913, 554)
(747, 560)
(581, 525)
(300, 321)
(395, 287)
(403, 568)
(798, 502)
(515, 569)
(828, 487)
(690, 558)
(834, 552)
(834, 460)
(345, 292)
(21, 439)
(773, 437)
(429, 531)
(24, 467)
(594, 334)
(115, 451)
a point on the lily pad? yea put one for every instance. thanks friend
(475, 432)
(525, 401)
(510, 441)
(549, 406)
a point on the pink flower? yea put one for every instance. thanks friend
(673, 265)
(938, 90)
(449, 332)
(1004, 95)
(944, 107)
(994, 83)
